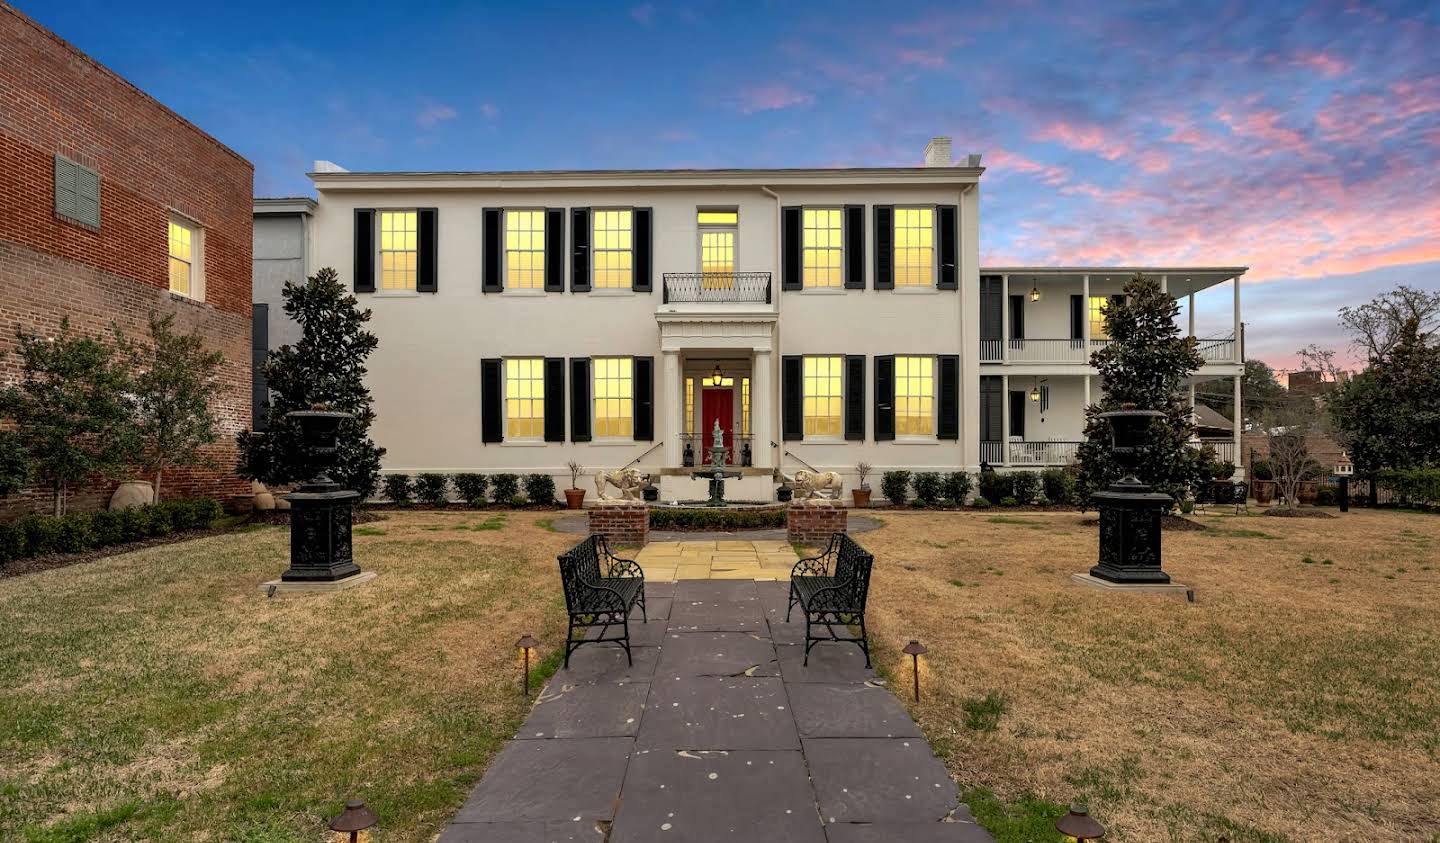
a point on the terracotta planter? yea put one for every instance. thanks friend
(574, 498)
(1308, 491)
(1263, 490)
(862, 498)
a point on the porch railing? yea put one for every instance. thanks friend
(1217, 349)
(716, 287)
(1028, 452)
(1224, 448)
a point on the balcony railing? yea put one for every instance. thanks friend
(1028, 452)
(727, 287)
(1212, 349)
(1218, 349)
(1224, 448)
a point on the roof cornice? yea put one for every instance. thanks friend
(551, 179)
(283, 205)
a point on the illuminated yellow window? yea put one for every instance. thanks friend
(1097, 317)
(717, 248)
(717, 217)
(524, 398)
(744, 406)
(182, 258)
(914, 247)
(914, 396)
(397, 250)
(612, 246)
(525, 250)
(720, 381)
(821, 252)
(689, 405)
(823, 395)
(614, 397)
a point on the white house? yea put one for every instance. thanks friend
(823, 317)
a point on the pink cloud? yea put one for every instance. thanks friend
(1325, 64)
(772, 97)
(1153, 161)
(1002, 160)
(1083, 138)
(1264, 124)
(924, 58)
(434, 115)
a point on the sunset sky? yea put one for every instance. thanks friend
(1302, 140)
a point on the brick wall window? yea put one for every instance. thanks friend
(77, 192)
(187, 258)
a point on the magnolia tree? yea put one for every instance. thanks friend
(326, 369)
(1143, 367)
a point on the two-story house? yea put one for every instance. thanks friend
(822, 317)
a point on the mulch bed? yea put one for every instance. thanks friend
(35, 564)
(1302, 512)
(282, 516)
(1171, 523)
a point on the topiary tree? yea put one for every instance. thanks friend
(1143, 368)
(326, 368)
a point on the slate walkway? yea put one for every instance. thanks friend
(717, 733)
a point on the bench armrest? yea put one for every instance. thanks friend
(812, 566)
(625, 568)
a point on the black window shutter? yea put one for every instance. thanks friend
(579, 399)
(884, 398)
(1017, 317)
(427, 223)
(948, 425)
(364, 250)
(990, 409)
(259, 350)
(855, 248)
(491, 246)
(644, 247)
(554, 250)
(1077, 317)
(855, 397)
(492, 400)
(554, 399)
(792, 274)
(644, 386)
(885, 248)
(949, 246)
(990, 307)
(792, 397)
(579, 250)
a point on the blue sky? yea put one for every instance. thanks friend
(1301, 140)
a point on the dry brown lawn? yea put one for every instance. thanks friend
(1297, 699)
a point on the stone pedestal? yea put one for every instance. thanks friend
(621, 522)
(320, 535)
(812, 521)
(1130, 536)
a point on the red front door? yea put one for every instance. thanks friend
(717, 405)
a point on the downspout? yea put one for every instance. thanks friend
(775, 385)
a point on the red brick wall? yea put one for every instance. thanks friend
(813, 521)
(54, 99)
(621, 523)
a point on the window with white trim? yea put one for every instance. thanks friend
(614, 396)
(613, 249)
(823, 242)
(187, 258)
(524, 398)
(824, 395)
(398, 250)
(914, 396)
(525, 250)
(914, 247)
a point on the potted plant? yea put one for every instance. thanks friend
(574, 496)
(783, 493)
(1262, 484)
(861, 493)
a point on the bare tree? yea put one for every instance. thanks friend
(1377, 325)
(1287, 429)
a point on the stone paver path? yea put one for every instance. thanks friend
(716, 733)
(664, 561)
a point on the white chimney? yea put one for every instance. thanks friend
(973, 160)
(323, 166)
(937, 152)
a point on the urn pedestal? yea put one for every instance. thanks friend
(320, 535)
(1130, 536)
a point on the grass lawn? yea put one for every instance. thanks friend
(159, 695)
(1297, 699)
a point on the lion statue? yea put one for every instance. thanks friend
(628, 480)
(816, 484)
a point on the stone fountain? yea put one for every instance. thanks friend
(716, 473)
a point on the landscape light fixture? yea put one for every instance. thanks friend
(356, 818)
(1079, 826)
(526, 644)
(915, 650)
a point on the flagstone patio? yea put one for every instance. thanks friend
(762, 560)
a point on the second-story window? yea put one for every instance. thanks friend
(397, 250)
(525, 250)
(717, 247)
(822, 248)
(914, 247)
(1097, 317)
(614, 250)
(186, 258)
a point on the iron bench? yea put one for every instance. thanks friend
(600, 590)
(831, 590)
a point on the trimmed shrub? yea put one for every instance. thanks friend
(517, 501)
(397, 489)
(432, 489)
(162, 521)
(980, 502)
(540, 489)
(1059, 486)
(1262, 471)
(995, 486)
(208, 511)
(956, 486)
(12, 540)
(135, 523)
(506, 486)
(471, 487)
(74, 533)
(1010, 501)
(895, 486)
(42, 532)
(927, 486)
(108, 526)
(664, 518)
(1024, 486)
(1412, 487)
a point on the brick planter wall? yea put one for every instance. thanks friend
(621, 523)
(813, 521)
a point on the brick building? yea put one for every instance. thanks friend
(113, 206)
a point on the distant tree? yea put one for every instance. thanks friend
(1287, 430)
(325, 368)
(174, 384)
(1388, 416)
(1259, 388)
(1380, 324)
(1143, 367)
(69, 408)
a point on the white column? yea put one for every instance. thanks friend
(1235, 326)
(674, 391)
(1004, 419)
(1190, 310)
(1087, 390)
(1165, 284)
(762, 410)
(1085, 313)
(1236, 429)
(1004, 318)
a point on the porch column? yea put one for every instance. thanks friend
(762, 410)
(674, 391)
(1004, 419)
(1190, 309)
(1236, 427)
(1087, 390)
(1085, 315)
(1004, 319)
(1235, 330)
(1165, 284)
